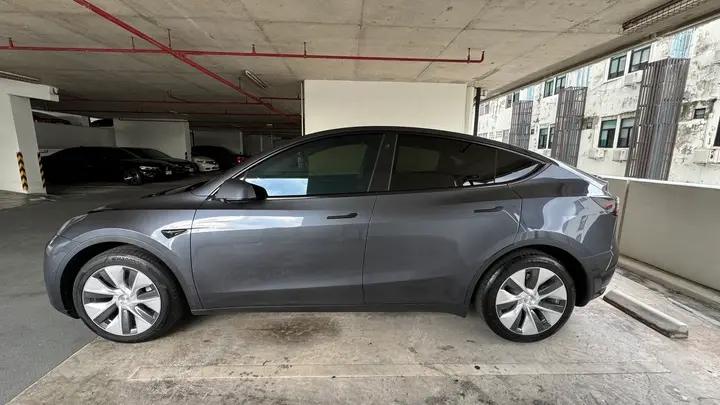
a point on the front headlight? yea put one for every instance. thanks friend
(69, 222)
(149, 168)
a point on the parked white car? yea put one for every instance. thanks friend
(205, 164)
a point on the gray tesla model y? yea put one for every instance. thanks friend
(369, 218)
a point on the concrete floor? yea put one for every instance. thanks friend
(34, 338)
(601, 356)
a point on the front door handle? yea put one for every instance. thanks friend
(489, 209)
(350, 215)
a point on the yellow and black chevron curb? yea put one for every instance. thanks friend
(23, 174)
(42, 172)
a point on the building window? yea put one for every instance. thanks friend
(559, 83)
(717, 136)
(607, 134)
(542, 138)
(626, 127)
(549, 88)
(529, 93)
(484, 109)
(617, 67)
(680, 47)
(699, 113)
(508, 101)
(639, 59)
(516, 97)
(582, 76)
(551, 135)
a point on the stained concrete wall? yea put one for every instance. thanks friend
(171, 137)
(669, 225)
(52, 137)
(617, 99)
(335, 104)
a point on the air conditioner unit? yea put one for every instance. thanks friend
(706, 156)
(598, 154)
(633, 77)
(620, 155)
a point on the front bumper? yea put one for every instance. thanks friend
(56, 255)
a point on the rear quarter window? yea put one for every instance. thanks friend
(512, 166)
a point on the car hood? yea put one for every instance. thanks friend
(174, 199)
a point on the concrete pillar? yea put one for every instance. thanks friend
(19, 163)
(171, 137)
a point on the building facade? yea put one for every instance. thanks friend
(614, 123)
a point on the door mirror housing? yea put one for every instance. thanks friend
(236, 190)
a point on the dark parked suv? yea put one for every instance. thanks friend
(104, 163)
(180, 167)
(371, 218)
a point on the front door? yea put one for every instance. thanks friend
(304, 244)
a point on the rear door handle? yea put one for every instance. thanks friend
(350, 215)
(491, 209)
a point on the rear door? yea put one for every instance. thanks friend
(443, 216)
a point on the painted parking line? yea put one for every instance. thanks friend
(246, 371)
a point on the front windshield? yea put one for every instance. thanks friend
(148, 153)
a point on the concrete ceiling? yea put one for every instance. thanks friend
(522, 40)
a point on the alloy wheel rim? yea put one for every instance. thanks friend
(531, 301)
(121, 300)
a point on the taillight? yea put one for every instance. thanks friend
(609, 204)
(239, 159)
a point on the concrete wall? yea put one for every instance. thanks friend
(617, 99)
(334, 104)
(171, 137)
(229, 138)
(58, 136)
(671, 226)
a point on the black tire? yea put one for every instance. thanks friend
(132, 177)
(173, 303)
(494, 278)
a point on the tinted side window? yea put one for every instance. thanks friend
(336, 165)
(424, 162)
(512, 166)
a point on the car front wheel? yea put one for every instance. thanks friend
(132, 177)
(526, 297)
(126, 295)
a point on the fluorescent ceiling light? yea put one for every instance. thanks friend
(255, 79)
(19, 77)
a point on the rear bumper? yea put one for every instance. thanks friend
(599, 269)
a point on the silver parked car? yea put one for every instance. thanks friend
(370, 218)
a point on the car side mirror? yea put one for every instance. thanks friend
(235, 190)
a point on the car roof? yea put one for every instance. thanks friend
(401, 130)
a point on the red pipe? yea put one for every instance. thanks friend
(199, 52)
(71, 111)
(161, 102)
(177, 55)
(229, 102)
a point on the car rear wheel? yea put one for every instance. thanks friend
(132, 177)
(126, 295)
(526, 297)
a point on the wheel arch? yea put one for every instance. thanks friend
(566, 258)
(87, 251)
